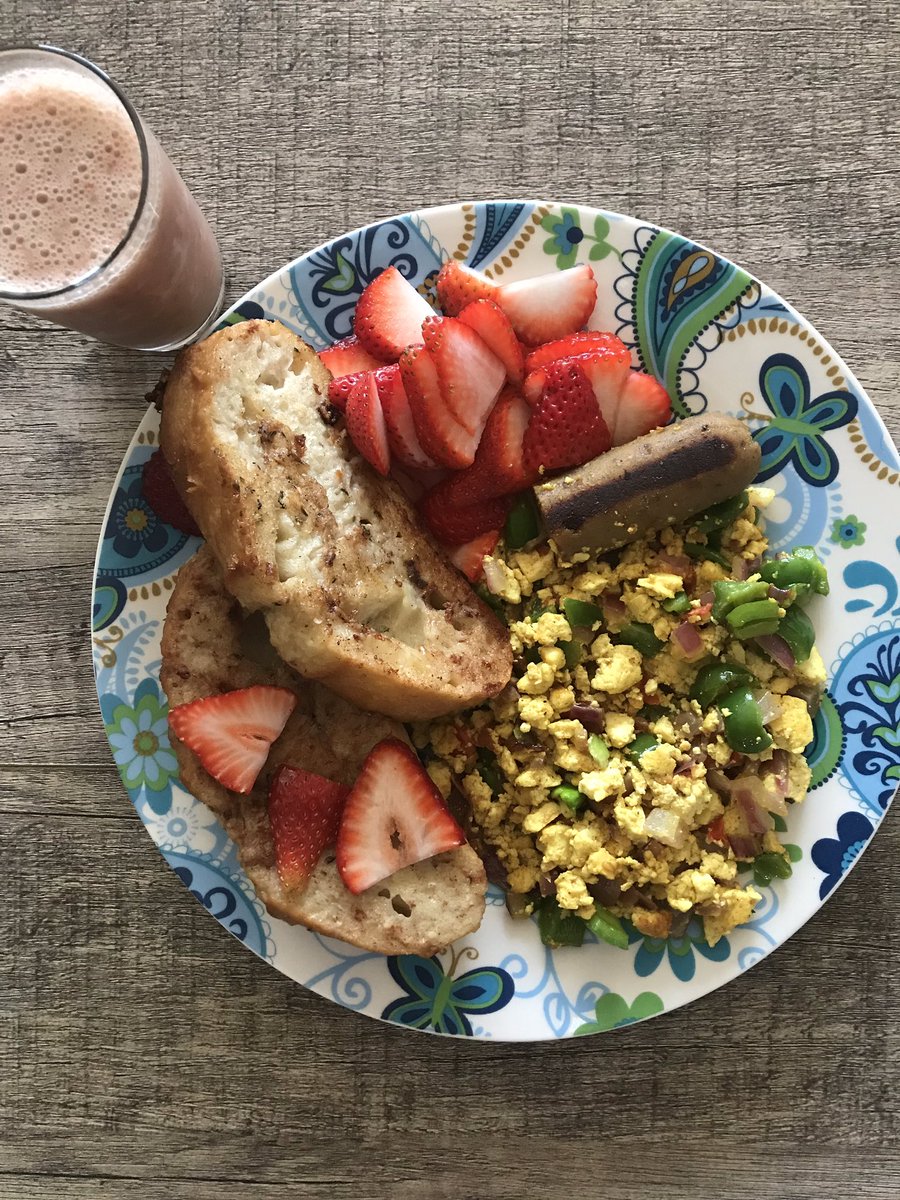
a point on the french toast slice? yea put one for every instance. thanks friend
(352, 590)
(209, 647)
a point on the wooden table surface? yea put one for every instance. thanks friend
(143, 1052)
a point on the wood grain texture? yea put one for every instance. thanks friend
(143, 1052)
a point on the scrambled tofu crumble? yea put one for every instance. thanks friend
(653, 729)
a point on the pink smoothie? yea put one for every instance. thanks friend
(146, 275)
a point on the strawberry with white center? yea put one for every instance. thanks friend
(339, 389)
(304, 815)
(549, 306)
(393, 817)
(644, 404)
(442, 437)
(470, 375)
(469, 558)
(365, 423)
(389, 316)
(499, 467)
(492, 325)
(454, 523)
(458, 285)
(347, 357)
(588, 341)
(231, 733)
(402, 437)
(566, 427)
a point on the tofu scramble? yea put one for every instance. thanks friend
(653, 730)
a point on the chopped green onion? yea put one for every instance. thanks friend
(570, 796)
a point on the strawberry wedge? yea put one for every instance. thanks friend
(549, 306)
(469, 558)
(393, 817)
(304, 816)
(453, 523)
(470, 375)
(389, 316)
(492, 325)
(458, 285)
(366, 425)
(566, 427)
(231, 733)
(442, 437)
(499, 468)
(401, 432)
(347, 357)
(588, 341)
(644, 404)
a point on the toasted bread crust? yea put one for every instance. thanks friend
(352, 590)
(208, 647)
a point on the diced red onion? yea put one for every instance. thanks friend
(613, 607)
(688, 640)
(494, 575)
(758, 819)
(812, 696)
(778, 770)
(689, 722)
(743, 845)
(782, 595)
(677, 564)
(740, 567)
(547, 885)
(680, 922)
(684, 768)
(667, 827)
(606, 891)
(707, 598)
(589, 716)
(769, 708)
(516, 904)
(778, 650)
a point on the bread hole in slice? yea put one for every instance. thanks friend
(399, 905)
(330, 857)
(385, 892)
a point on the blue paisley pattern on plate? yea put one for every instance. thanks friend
(833, 469)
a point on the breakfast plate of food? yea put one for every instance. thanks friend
(496, 622)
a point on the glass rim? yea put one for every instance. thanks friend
(94, 272)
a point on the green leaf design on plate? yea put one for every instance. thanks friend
(613, 1010)
(344, 280)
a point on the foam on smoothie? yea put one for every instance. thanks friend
(70, 178)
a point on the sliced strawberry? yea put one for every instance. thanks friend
(348, 357)
(470, 558)
(158, 489)
(470, 375)
(586, 342)
(231, 733)
(549, 306)
(339, 389)
(458, 285)
(404, 441)
(566, 427)
(365, 423)
(442, 437)
(453, 523)
(304, 813)
(393, 817)
(389, 315)
(492, 325)
(644, 404)
(607, 372)
(499, 467)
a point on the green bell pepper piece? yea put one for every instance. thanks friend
(582, 613)
(641, 636)
(523, 523)
(556, 928)
(570, 796)
(797, 630)
(717, 679)
(730, 593)
(698, 551)
(678, 604)
(641, 744)
(489, 769)
(574, 652)
(721, 515)
(753, 620)
(608, 928)
(800, 569)
(744, 728)
(598, 750)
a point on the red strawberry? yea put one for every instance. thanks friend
(304, 813)
(458, 285)
(365, 423)
(394, 817)
(453, 523)
(389, 315)
(348, 357)
(404, 442)
(587, 342)
(470, 558)
(566, 428)
(492, 325)
(643, 405)
(158, 489)
(499, 468)
(231, 733)
(549, 306)
(470, 375)
(339, 389)
(442, 437)
(606, 372)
